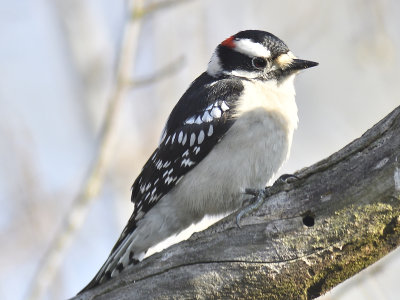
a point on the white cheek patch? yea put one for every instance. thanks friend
(250, 48)
(242, 73)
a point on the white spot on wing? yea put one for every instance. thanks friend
(201, 137)
(216, 112)
(198, 120)
(210, 130)
(190, 120)
(173, 138)
(192, 139)
(184, 139)
(186, 153)
(206, 117)
(224, 106)
(187, 162)
(154, 197)
(180, 136)
(168, 180)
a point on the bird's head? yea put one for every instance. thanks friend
(255, 54)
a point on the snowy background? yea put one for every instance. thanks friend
(58, 61)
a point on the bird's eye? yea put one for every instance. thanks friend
(259, 62)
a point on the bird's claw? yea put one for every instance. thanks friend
(286, 179)
(260, 194)
(254, 192)
(257, 199)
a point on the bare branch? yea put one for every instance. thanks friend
(91, 51)
(155, 7)
(163, 73)
(342, 215)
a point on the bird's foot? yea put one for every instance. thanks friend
(259, 195)
(258, 198)
(286, 179)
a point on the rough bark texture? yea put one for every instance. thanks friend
(342, 215)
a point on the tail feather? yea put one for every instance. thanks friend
(120, 257)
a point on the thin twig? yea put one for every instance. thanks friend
(164, 72)
(153, 7)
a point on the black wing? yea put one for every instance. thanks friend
(197, 123)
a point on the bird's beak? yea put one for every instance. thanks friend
(289, 63)
(300, 64)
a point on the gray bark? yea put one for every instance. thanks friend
(342, 215)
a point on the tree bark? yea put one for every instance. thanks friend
(340, 216)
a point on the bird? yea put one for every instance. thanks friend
(230, 131)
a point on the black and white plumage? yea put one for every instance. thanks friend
(232, 129)
(189, 135)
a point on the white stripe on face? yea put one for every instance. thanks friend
(250, 48)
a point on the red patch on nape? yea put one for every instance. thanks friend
(229, 42)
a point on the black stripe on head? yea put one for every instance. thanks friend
(233, 60)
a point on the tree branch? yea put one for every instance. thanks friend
(342, 215)
(166, 71)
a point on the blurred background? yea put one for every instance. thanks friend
(62, 63)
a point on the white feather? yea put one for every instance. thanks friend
(252, 49)
(214, 66)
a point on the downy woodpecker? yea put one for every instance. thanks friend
(231, 130)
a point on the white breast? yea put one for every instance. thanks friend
(272, 97)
